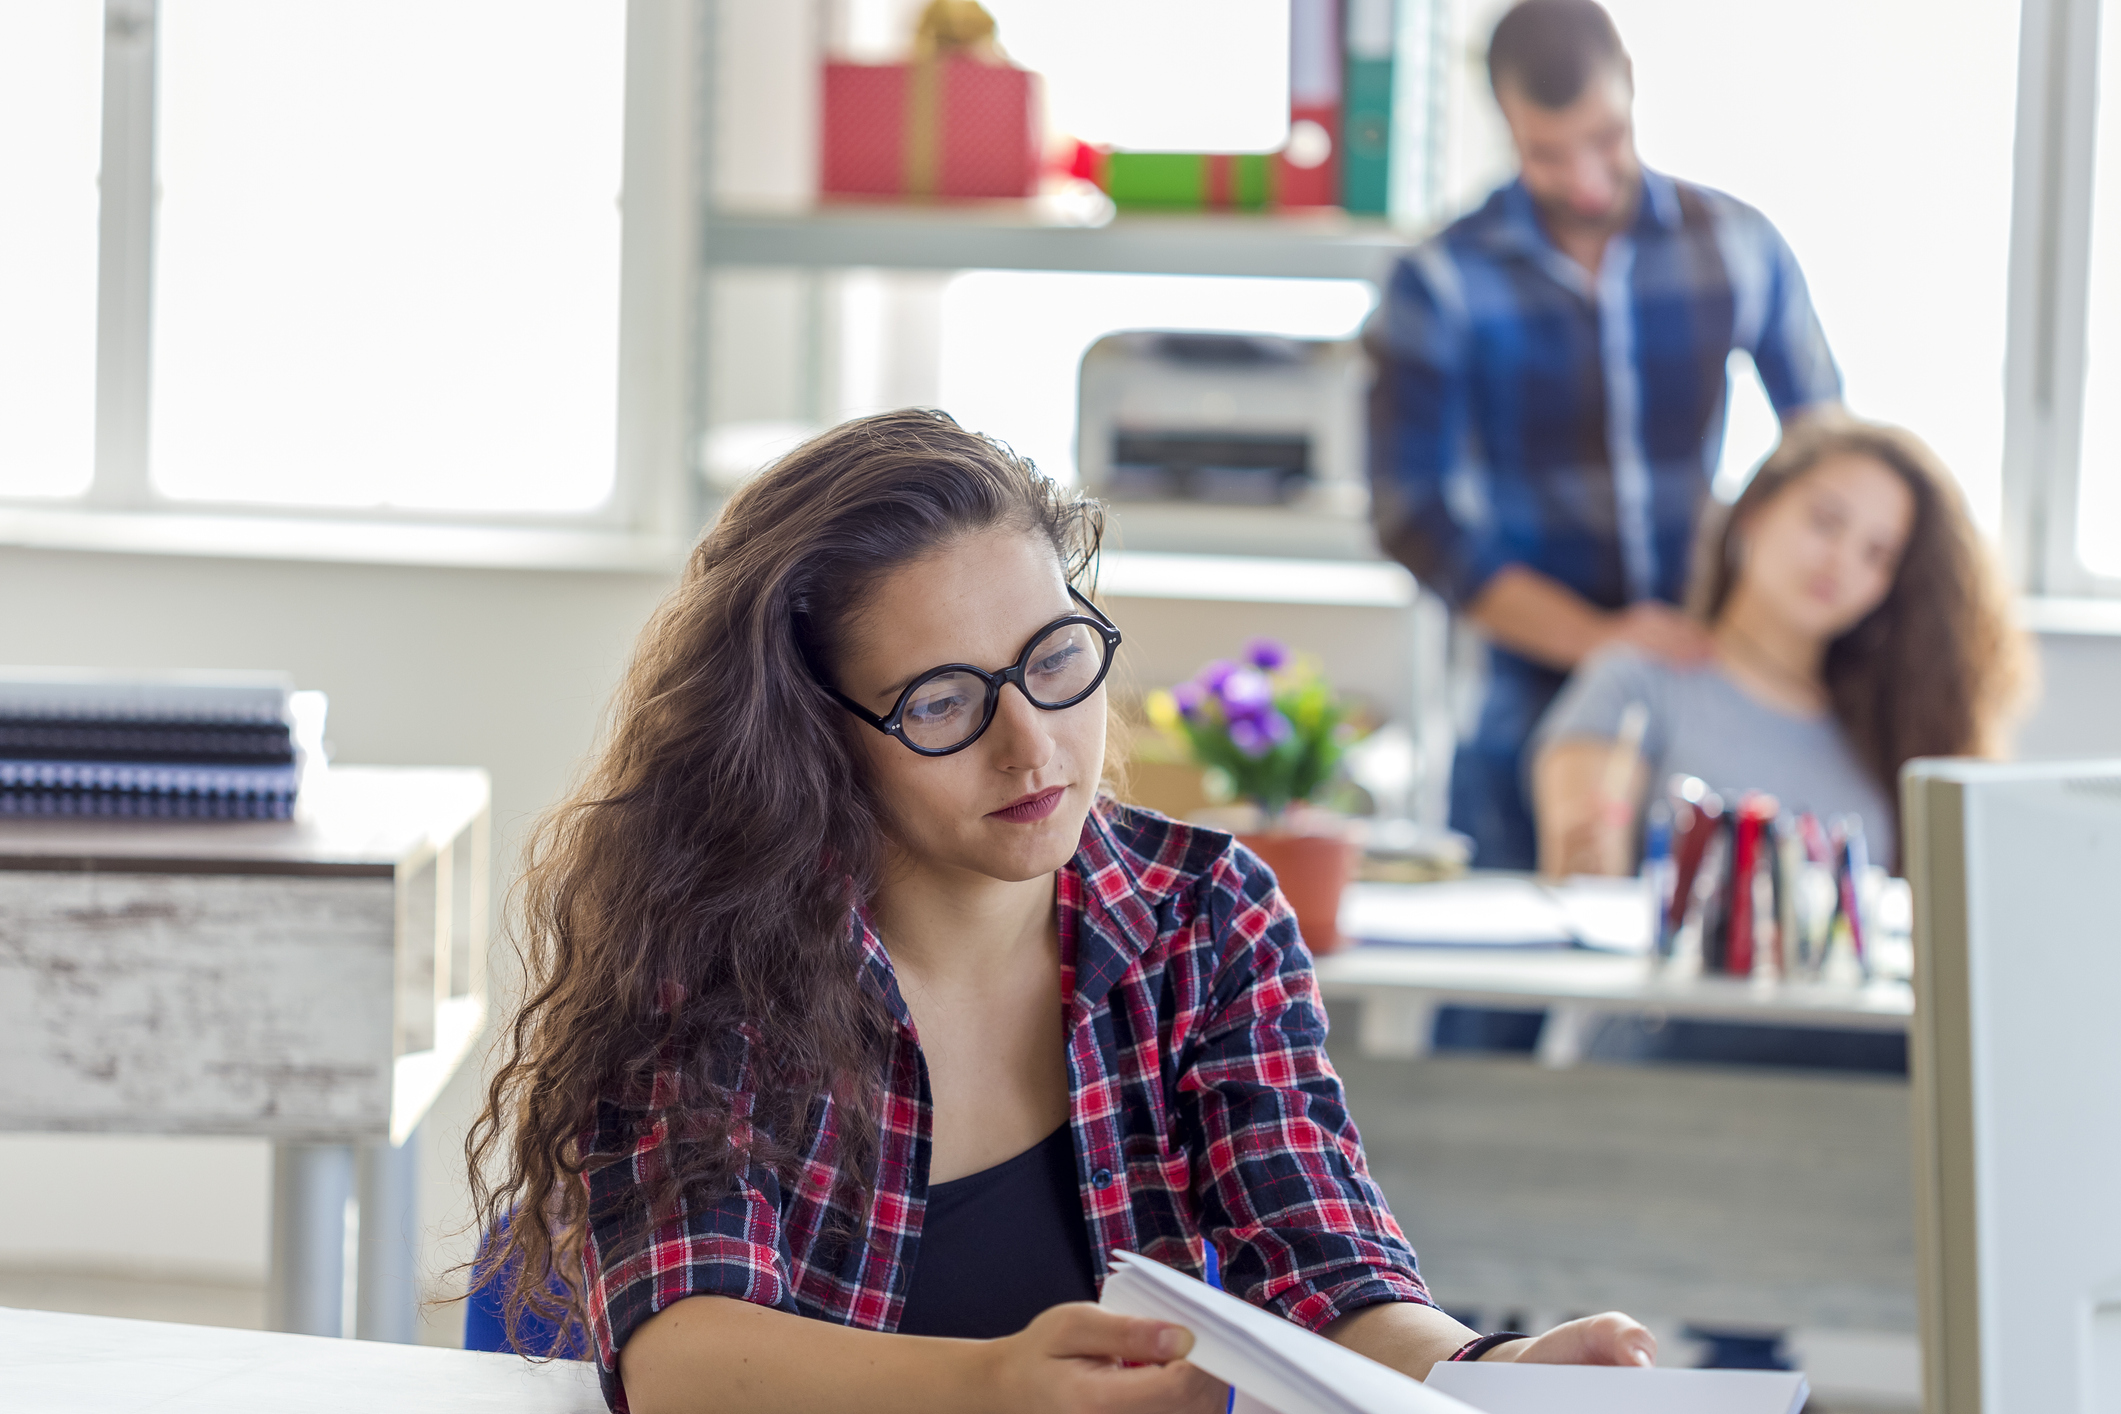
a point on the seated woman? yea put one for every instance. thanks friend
(860, 1029)
(1858, 622)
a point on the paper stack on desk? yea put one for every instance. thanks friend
(1276, 1367)
(1614, 1389)
(1279, 1368)
(1502, 911)
(163, 746)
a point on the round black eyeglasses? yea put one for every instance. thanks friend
(946, 709)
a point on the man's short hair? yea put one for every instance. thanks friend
(1549, 49)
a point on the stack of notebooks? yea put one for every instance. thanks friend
(1279, 1368)
(192, 746)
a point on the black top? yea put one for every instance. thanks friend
(999, 1246)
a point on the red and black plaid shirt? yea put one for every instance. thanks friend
(1203, 1106)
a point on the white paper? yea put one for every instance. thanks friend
(1616, 1389)
(1276, 1367)
(1456, 913)
(1612, 915)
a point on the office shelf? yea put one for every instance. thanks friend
(1256, 579)
(1017, 236)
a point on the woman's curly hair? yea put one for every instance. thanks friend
(696, 885)
(1937, 668)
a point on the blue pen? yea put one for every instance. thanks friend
(1855, 863)
(1657, 875)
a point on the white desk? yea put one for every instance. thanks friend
(313, 981)
(61, 1364)
(1400, 988)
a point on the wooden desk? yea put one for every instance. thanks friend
(1400, 988)
(62, 1364)
(313, 981)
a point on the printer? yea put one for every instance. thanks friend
(1200, 420)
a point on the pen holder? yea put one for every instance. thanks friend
(1755, 891)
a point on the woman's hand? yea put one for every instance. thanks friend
(1610, 1339)
(1070, 1361)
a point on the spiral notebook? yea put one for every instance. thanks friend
(191, 745)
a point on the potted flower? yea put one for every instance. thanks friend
(1269, 730)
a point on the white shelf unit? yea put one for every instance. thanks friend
(1013, 236)
(1021, 235)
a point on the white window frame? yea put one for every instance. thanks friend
(2050, 284)
(656, 501)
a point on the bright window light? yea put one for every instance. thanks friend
(51, 126)
(1877, 137)
(1012, 340)
(387, 253)
(1158, 75)
(2099, 456)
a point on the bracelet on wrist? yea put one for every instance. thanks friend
(1482, 1344)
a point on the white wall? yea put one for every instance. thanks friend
(502, 669)
(2078, 713)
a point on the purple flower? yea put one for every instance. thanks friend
(1255, 737)
(1265, 654)
(1189, 696)
(1216, 674)
(1246, 693)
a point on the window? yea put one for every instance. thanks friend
(1877, 138)
(2098, 537)
(2062, 503)
(387, 253)
(51, 84)
(1113, 75)
(291, 255)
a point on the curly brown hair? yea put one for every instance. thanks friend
(1938, 666)
(696, 885)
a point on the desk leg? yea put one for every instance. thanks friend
(310, 1186)
(1397, 1025)
(387, 1299)
(1566, 1034)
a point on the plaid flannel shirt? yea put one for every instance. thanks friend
(1201, 1099)
(1528, 412)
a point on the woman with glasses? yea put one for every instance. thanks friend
(860, 1030)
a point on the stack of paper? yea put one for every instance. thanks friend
(219, 746)
(1276, 1367)
(1613, 1389)
(1501, 911)
(1279, 1368)
(1458, 913)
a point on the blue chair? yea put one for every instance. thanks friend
(486, 1329)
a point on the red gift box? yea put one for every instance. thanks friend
(951, 127)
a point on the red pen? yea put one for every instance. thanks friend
(1755, 811)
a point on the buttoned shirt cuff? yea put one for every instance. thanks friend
(1314, 1306)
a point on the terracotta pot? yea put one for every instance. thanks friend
(1312, 870)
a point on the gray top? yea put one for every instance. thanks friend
(1703, 724)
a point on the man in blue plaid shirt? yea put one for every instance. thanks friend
(1550, 393)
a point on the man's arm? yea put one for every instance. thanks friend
(1543, 619)
(1795, 365)
(1420, 408)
